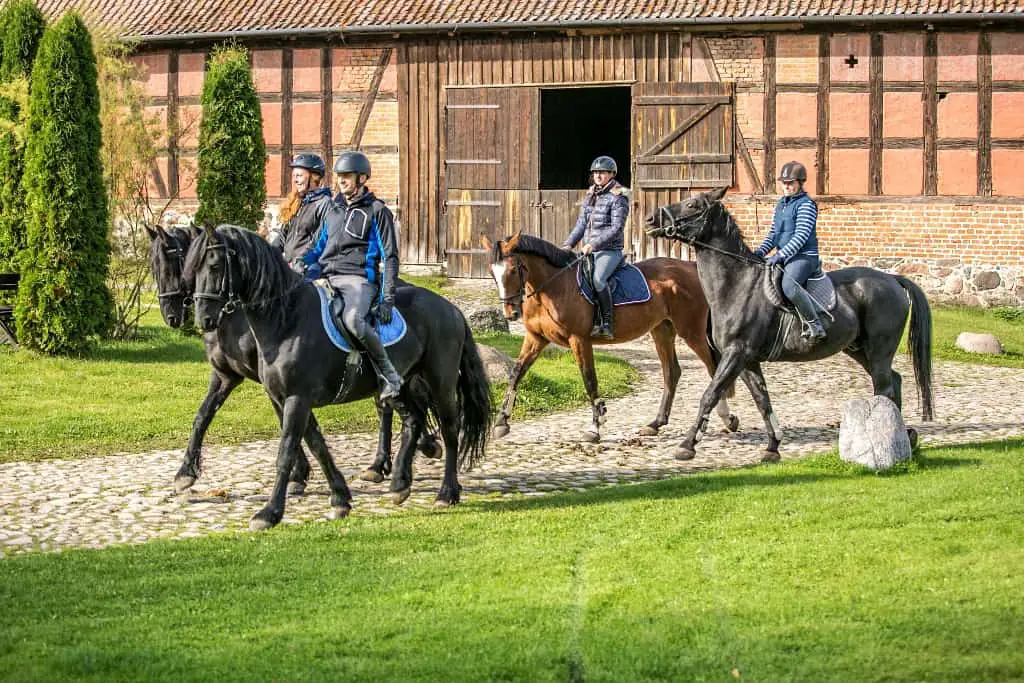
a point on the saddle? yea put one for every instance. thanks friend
(628, 284)
(819, 287)
(332, 306)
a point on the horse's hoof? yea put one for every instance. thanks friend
(443, 503)
(339, 512)
(182, 484)
(372, 475)
(734, 424)
(648, 430)
(912, 435)
(684, 453)
(500, 431)
(260, 524)
(590, 436)
(770, 456)
(296, 488)
(399, 497)
(433, 450)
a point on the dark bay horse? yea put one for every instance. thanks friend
(234, 356)
(867, 323)
(302, 369)
(537, 282)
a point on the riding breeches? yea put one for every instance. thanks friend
(359, 294)
(605, 263)
(798, 270)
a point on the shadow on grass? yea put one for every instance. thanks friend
(153, 345)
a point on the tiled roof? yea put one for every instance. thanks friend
(180, 18)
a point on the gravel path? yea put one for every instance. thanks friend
(97, 502)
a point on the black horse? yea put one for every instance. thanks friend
(234, 357)
(301, 368)
(867, 323)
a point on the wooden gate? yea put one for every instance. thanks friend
(682, 142)
(491, 160)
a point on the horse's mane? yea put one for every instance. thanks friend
(265, 280)
(528, 244)
(732, 232)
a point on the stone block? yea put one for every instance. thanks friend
(497, 365)
(873, 434)
(975, 342)
(489, 319)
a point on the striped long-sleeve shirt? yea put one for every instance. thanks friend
(794, 228)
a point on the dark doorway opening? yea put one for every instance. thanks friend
(577, 125)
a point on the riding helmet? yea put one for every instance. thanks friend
(310, 162)
(604, 163)
(352, 162)
(793, 170)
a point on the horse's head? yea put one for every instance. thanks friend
(686, 220)
(211, 272)
(509, 274)
(167, 251)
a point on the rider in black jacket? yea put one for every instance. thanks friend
(357, 251)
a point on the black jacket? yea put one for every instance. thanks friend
(355, 239)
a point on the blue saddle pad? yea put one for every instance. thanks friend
(389, 334)
(629, 286)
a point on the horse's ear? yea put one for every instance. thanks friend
(193, 231)
(209, 230)
(153, 234)
(716, 195)
(512, 242)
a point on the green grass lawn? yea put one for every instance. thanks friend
(949, 321)
(806, 571)
(141, 395)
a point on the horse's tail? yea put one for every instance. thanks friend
(919, 346)
(474, 404)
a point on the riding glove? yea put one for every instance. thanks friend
(774, 259)
(384, 309)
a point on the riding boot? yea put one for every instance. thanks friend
(391, 381)
(606, 329)
(813, 328)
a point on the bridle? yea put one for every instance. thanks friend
(674, 231)
(230, 301)
(179, 253)
(521, 295)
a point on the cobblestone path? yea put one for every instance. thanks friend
(128, 499)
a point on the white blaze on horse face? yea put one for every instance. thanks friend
(498, 271)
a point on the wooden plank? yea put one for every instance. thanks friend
(824, 93)
(287, 74)
(931, 103)
(769, 113)
(695, 158)
(435, 133)
(686, 125)
(172, 124)
(659, 100)
(876, 115)
(370, 98)
(327, 113)
(405, 181)
(984, 114)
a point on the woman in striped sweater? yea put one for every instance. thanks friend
(794, 237)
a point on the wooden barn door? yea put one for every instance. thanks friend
(682, 143)
(491, 164)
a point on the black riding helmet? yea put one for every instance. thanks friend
(604, 163)
(311, 162)
(352, 162)
(793, 170)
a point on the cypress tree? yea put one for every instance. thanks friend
(63, 300)
(232, 156)
(22, 26)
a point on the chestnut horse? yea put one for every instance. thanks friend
(537, 282)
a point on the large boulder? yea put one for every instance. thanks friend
(873, 434)
(497, 365)
(487, 319)
(977, 342)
